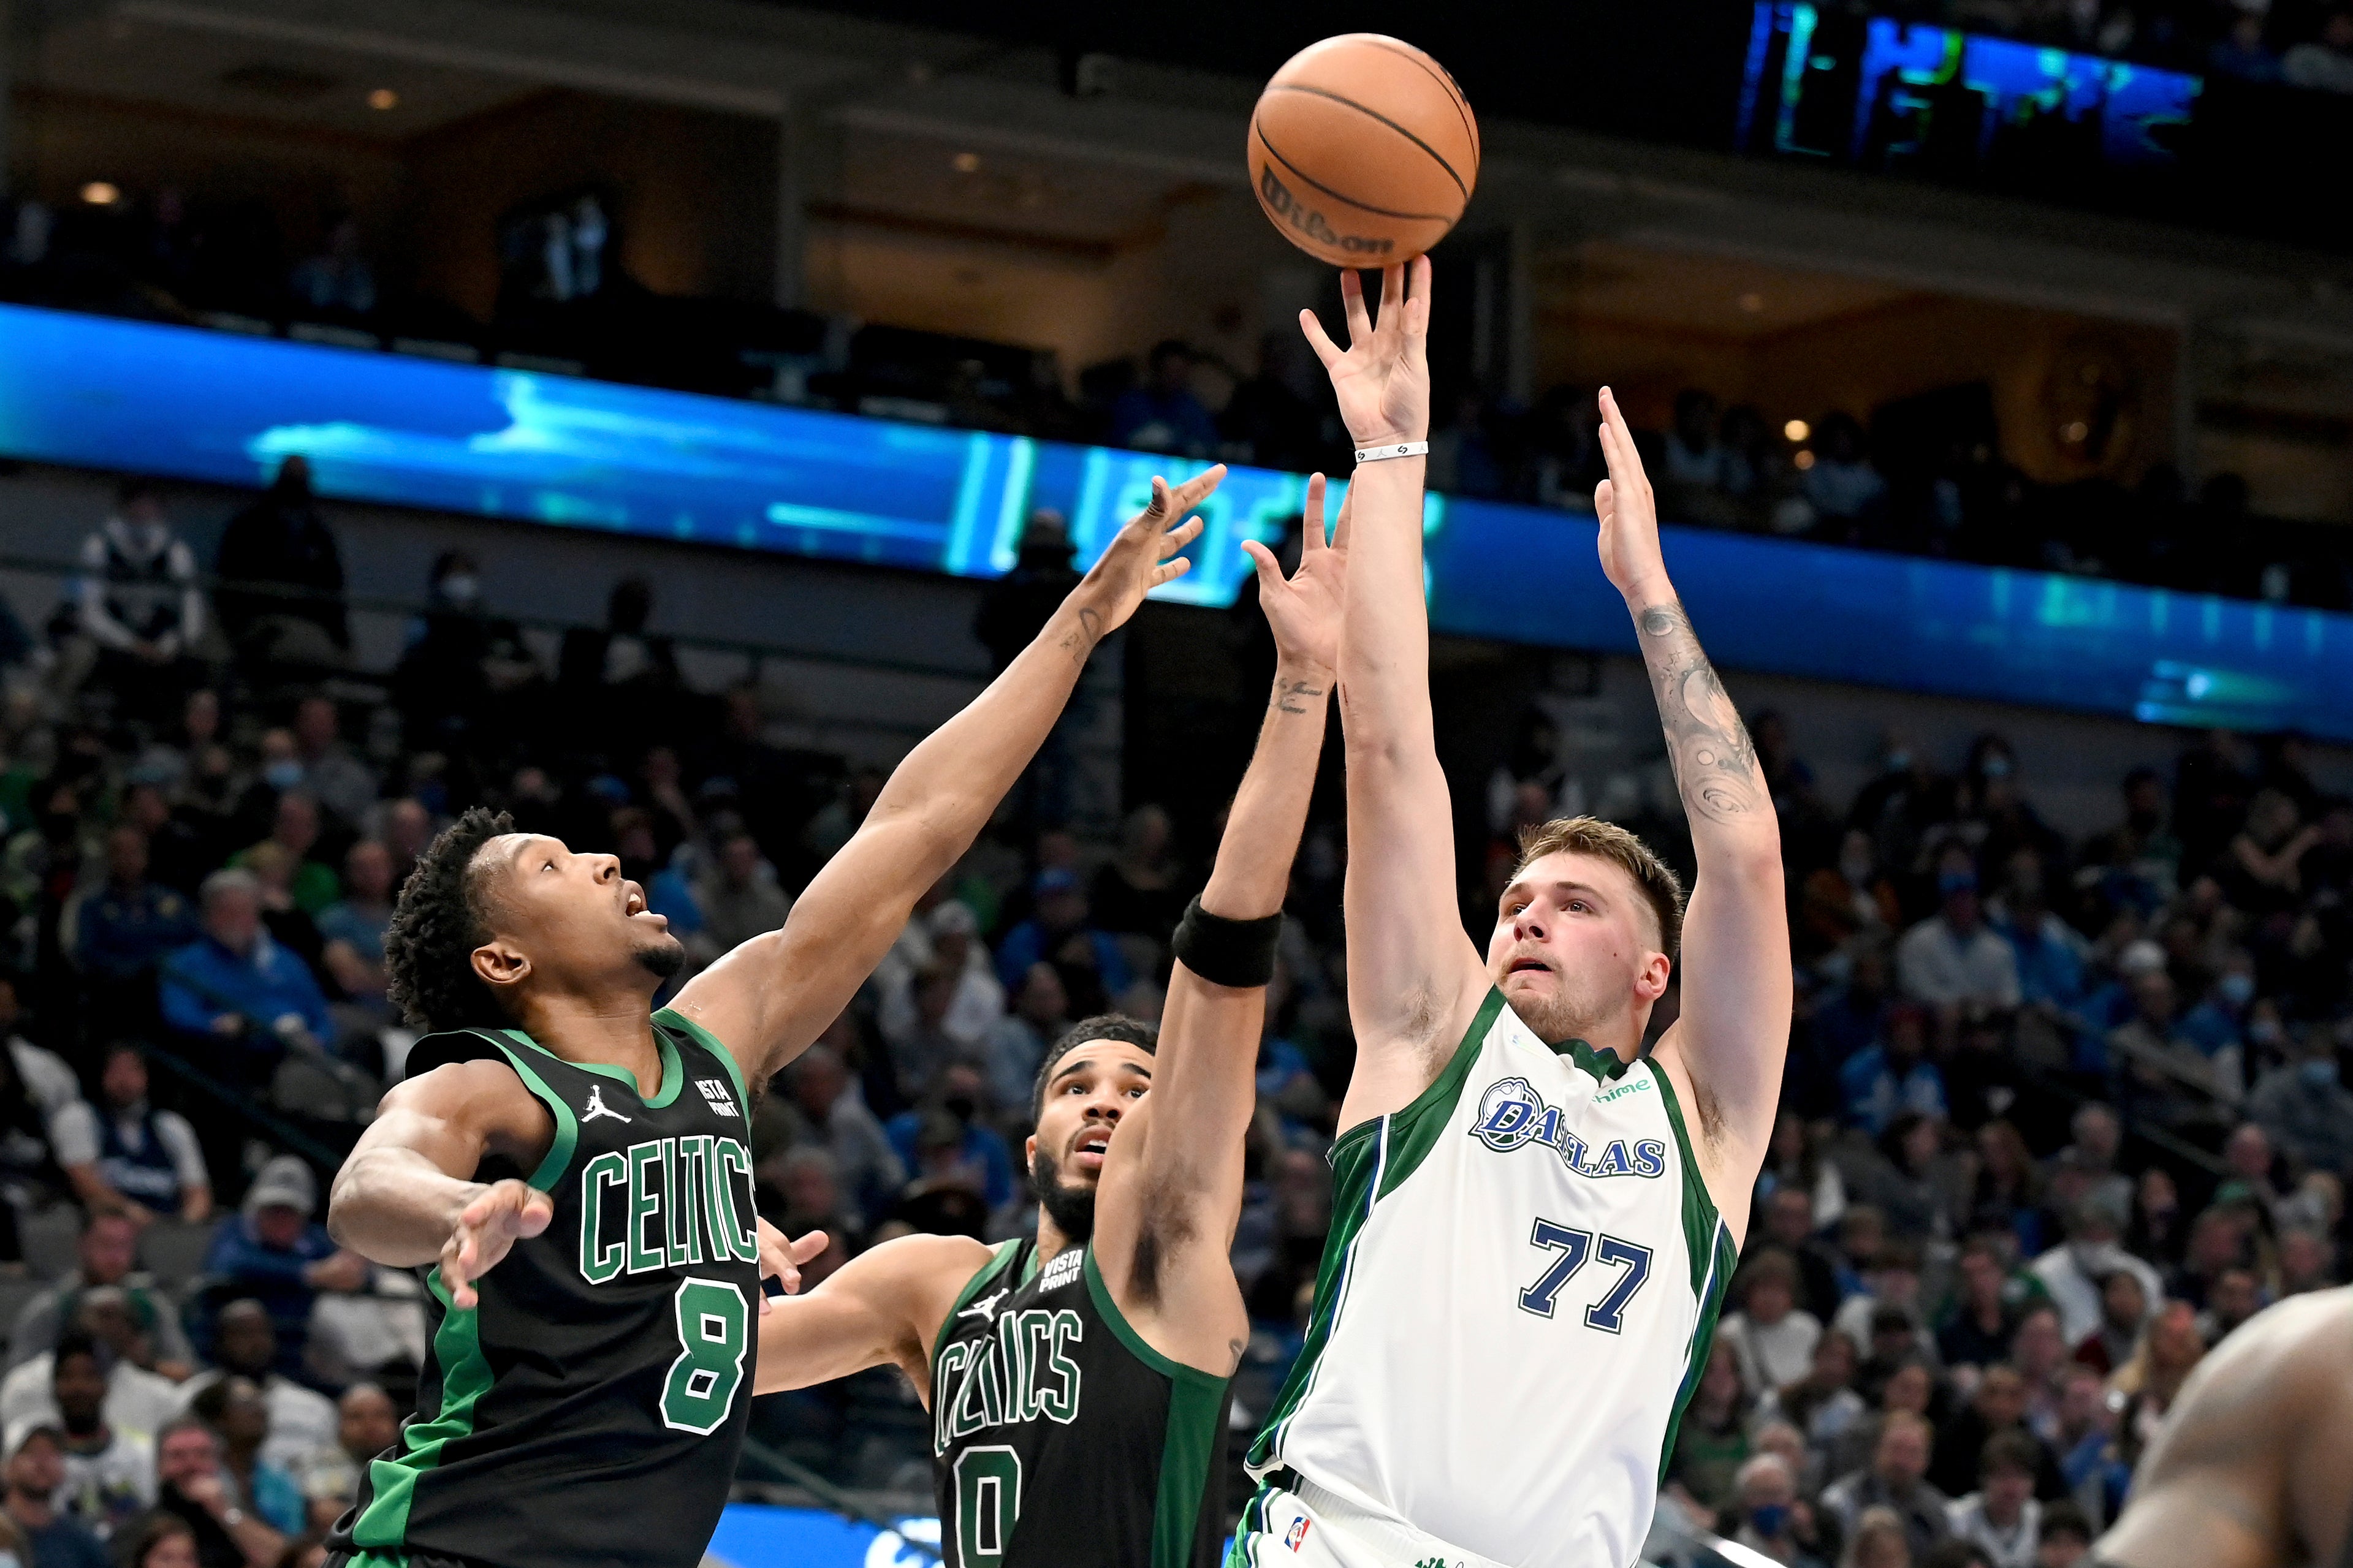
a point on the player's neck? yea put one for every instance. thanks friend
(610, 1030)
(1052, 1240)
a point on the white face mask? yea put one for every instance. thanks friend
(2094, 1256)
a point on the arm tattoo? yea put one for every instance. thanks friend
(1715, 762)
(1079, 644)
(1290, 695)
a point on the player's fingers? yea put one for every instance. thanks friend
(1605, 500)
(1625, 461)
(536, 1211)
(1311, 515)
(1319, 340)
(1169, 571)
(1269, 570)
(802, 1249)
(1348, 513)
(1158, 506)
(1198, 489)
(1351, 298)
(1393, 298)
(1177, 539)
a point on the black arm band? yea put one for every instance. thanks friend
(1240, 953)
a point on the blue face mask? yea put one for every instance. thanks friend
(2320, 1074)
(282, 775)
(1953, 882)
(2237, 989)
(1769, 1518)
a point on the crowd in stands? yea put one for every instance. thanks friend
(2299, 43)
(2061, 1113)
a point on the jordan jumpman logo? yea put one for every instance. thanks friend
(597, 1106)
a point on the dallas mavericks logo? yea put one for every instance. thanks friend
(1513, 1113)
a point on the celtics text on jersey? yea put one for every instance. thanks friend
(1059, 1437)
(609, 1356)
(1514, 1304)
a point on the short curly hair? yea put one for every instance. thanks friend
(1085, 1032)
(437, 923)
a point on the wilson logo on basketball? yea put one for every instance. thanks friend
(1310, 223)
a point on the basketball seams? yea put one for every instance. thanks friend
(1435, 155)
(1307, 179)
(1436, 73)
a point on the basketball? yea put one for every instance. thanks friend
(1363, 150)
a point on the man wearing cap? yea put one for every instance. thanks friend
(302, 1423)
(36, 1469)
(275, 1252)
(1059, 934)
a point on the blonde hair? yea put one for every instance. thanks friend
(1590, 836)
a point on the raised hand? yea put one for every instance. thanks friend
(1383, 379)
(1304, 611)
(1142, 557)
(487, 1227)
(781, 1259)
(1629, 517)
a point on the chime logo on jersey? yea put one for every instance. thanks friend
(1021, 1371)
(1513, 1113)
(665, 1204)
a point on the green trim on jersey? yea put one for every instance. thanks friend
(1196, 1401)
(465, 1378)
(1707, 1242)
(1606, 1065)
(980, 1276)
(1413, 1131)
(567, 1126)
(708, 1042)
(673, 1071)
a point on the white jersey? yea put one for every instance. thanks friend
(1524, 1272)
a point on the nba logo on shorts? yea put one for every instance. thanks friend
(1297, 1532)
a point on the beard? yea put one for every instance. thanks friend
(1071, 1209)
(1558, 1014)
(661, 958)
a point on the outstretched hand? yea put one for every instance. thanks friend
(781, 1259)
(1629, 517)
(1144, 554)
(1304, 612)
(1383, 379)
(500, 1215)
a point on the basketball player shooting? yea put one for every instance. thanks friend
(575, 1169)
(1078, 1383)
(1534, 1220)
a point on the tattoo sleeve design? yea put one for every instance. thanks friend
(1714, 761)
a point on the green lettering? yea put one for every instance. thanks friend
(599, 1259)
(1037, 1351)
(735, 1158)
(1063, 1404)
(687, 1196)
(672, 1169)
(715, 1201)
(645, 1203)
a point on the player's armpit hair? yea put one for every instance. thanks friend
(437, 923)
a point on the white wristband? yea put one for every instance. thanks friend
(1392, 450)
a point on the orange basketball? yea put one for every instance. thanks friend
(1363, 150)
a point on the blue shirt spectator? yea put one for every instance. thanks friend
(935, 1141)
(1162, 414)
(121, 930)
(2050, 968)
(1059, 934)
(2219, 1022)
(236, 988)
(1894, 1076)
(273, 1252)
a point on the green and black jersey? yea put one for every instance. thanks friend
(1060, 1439)
(592, 1407)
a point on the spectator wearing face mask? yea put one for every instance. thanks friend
(2074, 1275)
(1768, 1516)
(462, 667)
(2305, 1108)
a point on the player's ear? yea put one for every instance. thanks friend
(1030, 1151)
(1651, 982)
(498, 963)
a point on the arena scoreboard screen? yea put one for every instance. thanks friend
(572, 453)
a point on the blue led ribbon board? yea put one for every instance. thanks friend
(100, 394)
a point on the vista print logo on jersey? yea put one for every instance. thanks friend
(1512, 1113)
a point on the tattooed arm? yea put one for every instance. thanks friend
(768, 999)
(1732, 1037)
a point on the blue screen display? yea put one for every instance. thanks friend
(1896, 95)
(192, 405)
